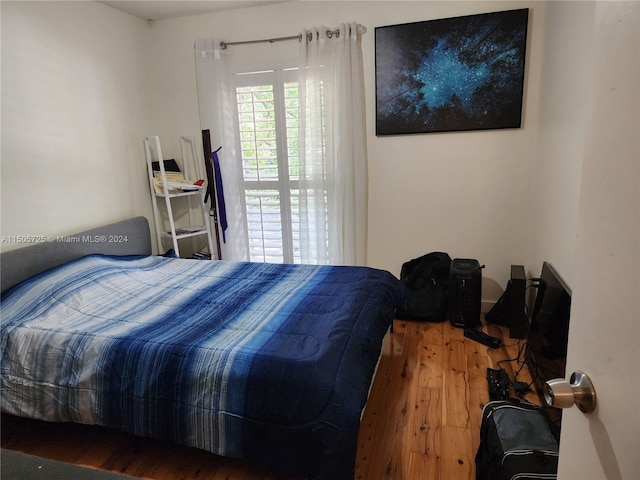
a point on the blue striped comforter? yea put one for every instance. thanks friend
(270, 363)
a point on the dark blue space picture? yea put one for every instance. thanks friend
(463, 73)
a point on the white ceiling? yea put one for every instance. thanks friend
(163, 9)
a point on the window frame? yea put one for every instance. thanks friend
(284, 184)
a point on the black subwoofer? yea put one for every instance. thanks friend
(465, 289)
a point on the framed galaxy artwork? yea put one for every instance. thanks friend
(453, 74)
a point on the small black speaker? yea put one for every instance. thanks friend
(465, 289)
(516, 308)
(510, 310)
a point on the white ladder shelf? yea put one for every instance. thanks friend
(195, 197)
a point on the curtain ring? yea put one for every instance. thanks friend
(331, 33)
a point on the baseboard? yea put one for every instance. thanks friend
(486, 305)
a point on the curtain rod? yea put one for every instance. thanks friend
(330, 33)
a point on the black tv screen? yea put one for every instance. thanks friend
(549, 331)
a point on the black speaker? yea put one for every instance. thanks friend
(510, 309)
(465, 289)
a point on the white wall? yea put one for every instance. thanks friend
(465, 193)
(566, 73)
(82, 84)
(72, 112)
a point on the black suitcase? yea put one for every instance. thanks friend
(517, 441)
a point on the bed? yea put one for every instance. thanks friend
(269, 363)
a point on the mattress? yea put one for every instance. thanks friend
(266, 362)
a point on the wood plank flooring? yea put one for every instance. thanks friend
(422, 420)
(423, 417)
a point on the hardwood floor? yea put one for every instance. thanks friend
(423, 417)
(422, 420)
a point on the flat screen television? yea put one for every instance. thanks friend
(546, 353)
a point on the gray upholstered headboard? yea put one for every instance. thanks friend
(128, 237)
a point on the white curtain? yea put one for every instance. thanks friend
(333, 155)
(216, 114)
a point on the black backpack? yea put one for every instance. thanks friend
(427, 279)
(517, 442)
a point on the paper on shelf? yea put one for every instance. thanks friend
(175, 183)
